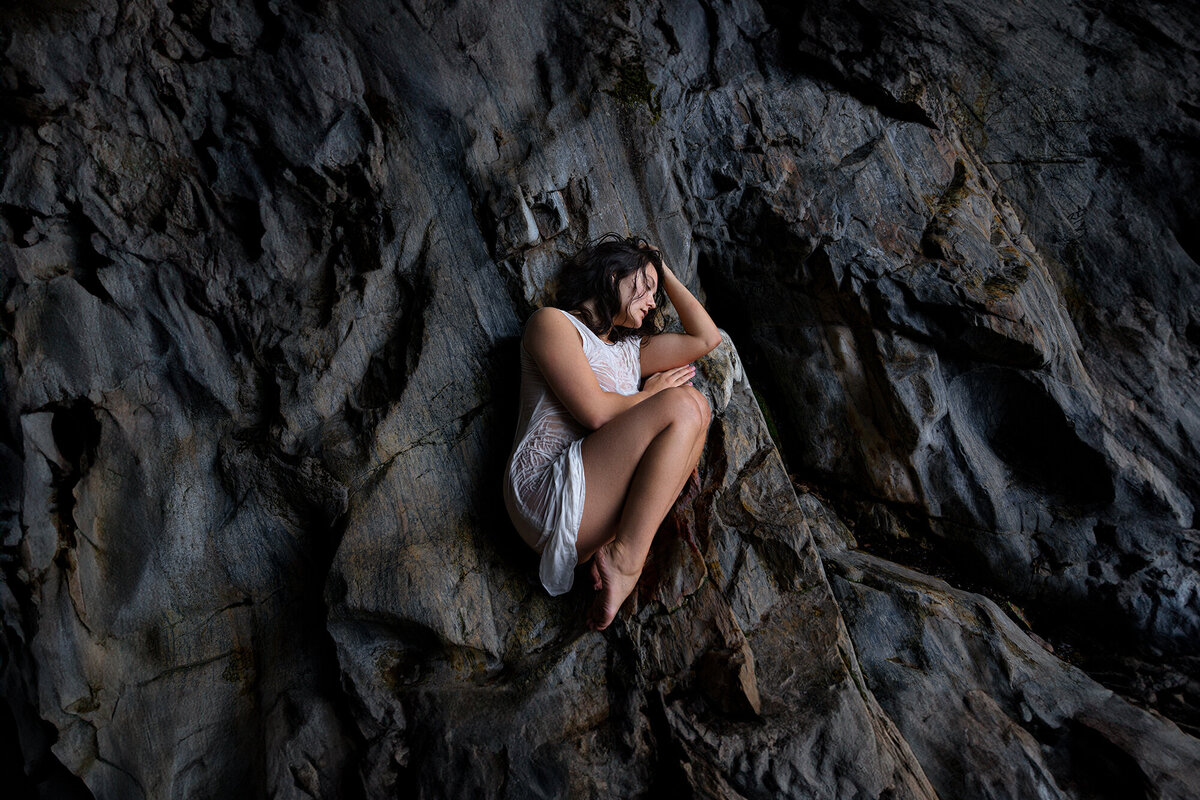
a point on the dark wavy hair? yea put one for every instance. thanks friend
(594, 273)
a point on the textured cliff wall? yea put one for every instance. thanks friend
(264, 273)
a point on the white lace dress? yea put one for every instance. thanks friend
(543, 482)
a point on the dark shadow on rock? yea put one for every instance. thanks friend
(500, 537)
(1028, 431)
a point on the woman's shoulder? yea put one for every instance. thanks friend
(547, 316)
(548, 321)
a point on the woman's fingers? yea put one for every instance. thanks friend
(672, 377)
(680, 375)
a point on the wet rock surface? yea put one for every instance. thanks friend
(263, 274)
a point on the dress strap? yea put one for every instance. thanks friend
(583, 329)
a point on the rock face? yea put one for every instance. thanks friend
(984, 341)
(264, 273)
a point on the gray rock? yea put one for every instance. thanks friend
(949, 337)
(262, 274)
(986, 709)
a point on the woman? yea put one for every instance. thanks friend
(596, 462)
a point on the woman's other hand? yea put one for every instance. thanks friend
(661, 257)
(668, 379)
(664, 350)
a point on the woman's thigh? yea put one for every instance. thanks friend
(611, 455)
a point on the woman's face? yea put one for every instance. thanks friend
(637, 296)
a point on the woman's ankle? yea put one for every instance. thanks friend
(625, 559)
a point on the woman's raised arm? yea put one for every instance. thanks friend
(669, 350)
(555, 344)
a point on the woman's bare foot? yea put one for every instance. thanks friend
(614, 584)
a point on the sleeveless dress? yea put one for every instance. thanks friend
(543, 481)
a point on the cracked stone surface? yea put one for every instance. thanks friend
(263, 271)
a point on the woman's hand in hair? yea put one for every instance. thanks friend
(669, 379)
(667, 350)
(662, 259)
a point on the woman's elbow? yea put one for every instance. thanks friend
(591, 419)
(713, 342)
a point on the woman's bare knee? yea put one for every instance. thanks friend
(701, 404)
(682, 406)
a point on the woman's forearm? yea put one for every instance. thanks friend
(692, 316)
(613, 404)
